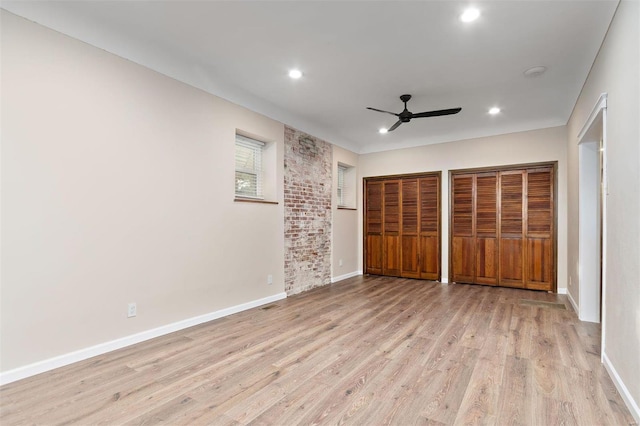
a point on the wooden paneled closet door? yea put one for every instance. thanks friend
(402, 226)
(462, 228)
(391, 228)
(539, 251)
(511, 228)
(429, 227)
(502, 228)
(410, 234)
(373, 228)
(486, 226)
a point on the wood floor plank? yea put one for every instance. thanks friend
(366, 351)
(482, 397)
(550, 411)
(520, 337)
(515, 400)
(441, 402)
(571, 352)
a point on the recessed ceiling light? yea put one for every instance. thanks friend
(535, 71)
(382, 131)
(295, 74)
(494, 110)
(469, 15)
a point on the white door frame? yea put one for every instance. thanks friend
(593, 131)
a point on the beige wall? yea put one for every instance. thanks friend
(616, 72)
(345, 222)
(516, 148)
(117, 187)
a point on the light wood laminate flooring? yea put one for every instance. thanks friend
(364, 351)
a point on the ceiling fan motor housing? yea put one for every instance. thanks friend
(405, 116)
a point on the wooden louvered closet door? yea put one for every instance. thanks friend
(539, 229)
(502, 228)
(391, 228)
(511, 229)
(373, 227)
(429, 227)
(486, 218)
(402, 226)
(410, 234)
(463, 231)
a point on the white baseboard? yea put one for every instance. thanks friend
(444, 280)
(345, 276)
(624, 392)
(574, 304)
(562, 291)
(102, 348)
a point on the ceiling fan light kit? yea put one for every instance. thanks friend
(405, 116)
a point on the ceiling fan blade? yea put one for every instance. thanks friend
(395, 126)
(436, 113)
(387, 112)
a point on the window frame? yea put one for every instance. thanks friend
(341, 187)
(257, 170)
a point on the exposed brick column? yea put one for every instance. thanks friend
(307, 211)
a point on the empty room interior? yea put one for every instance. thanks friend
(320, 212)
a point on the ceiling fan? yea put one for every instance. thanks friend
(406, 115)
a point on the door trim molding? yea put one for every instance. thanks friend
(599, 112)
(600, 105)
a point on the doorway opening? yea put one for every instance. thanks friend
(592, 214)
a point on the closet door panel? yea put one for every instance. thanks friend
(430, 258)
(391, 255)
(463, 206)
(463, 241)
(486, 260)
(464, 254)
(540, 218)
(410, 267)
(511, 229)
(429, 228)
(410, 222)
(511, 195)
(486, 213)
(374, 254)
(540, 203)
(540, 264)
(511, 273)
(373, 228)
(391, 228)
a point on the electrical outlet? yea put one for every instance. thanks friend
(340, 262)
(269, 279)
(132, 310)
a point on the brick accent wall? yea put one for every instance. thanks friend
(307, 211)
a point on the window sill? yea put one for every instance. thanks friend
(346, 208)
(253, 200)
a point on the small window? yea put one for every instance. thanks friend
(346, 196)
(341, 185)
(249, 167)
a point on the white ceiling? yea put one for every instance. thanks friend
(356, 54)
